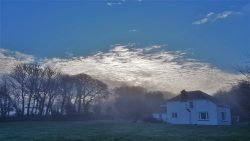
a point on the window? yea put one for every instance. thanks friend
(191, 104)
(174, 115)
(203, 116)
(223, 116)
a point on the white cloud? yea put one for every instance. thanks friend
(223, 15)
(201, 21)
(152, 67)
(133, 30)
(204, 20)
(8, 59)
(210, 14)
(117, 2)
(113, 3)
(212, 17)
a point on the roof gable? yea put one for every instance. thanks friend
(195, 95)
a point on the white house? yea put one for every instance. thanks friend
(196, 107)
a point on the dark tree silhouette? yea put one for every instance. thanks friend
(19, 85)
(5, 100)
(238, 98)
(88, 90)
(34, 91)
(66, 87)
(31, 91)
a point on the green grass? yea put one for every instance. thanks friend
(117, 131)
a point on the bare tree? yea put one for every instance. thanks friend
(88, 90)
(8, 101)
(50, 86)
(19, 84)
(4, 100)
(245, 71)
(33, 72)
(66, 88)
(32, 90)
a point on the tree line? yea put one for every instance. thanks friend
(31, 91)
(34, 91)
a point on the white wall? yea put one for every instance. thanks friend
(228, 120)
(206, 106)
(185, 117)
(164, 117)
(179, 108)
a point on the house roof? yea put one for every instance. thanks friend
(195, 95)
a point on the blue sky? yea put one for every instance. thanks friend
(160, 45)
(55, 28)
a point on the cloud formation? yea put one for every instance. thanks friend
(118, 2)
(151, 67)
(113, 3)
(8, 59)
(133, 30)
(213, 17)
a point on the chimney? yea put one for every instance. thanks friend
(184, 95)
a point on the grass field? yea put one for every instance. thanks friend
(114, 131)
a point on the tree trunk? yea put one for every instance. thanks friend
(86, 108)
(23, 104)
(48, 106)
(42, 104)
(63, 103)
(79, 104)
(34, 106)
(28, 108)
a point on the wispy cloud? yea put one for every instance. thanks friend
(223, 15)
(118, 2)
(151, 67)
(212, 17)
(204, 20)
(133, 30)
(113, 3)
